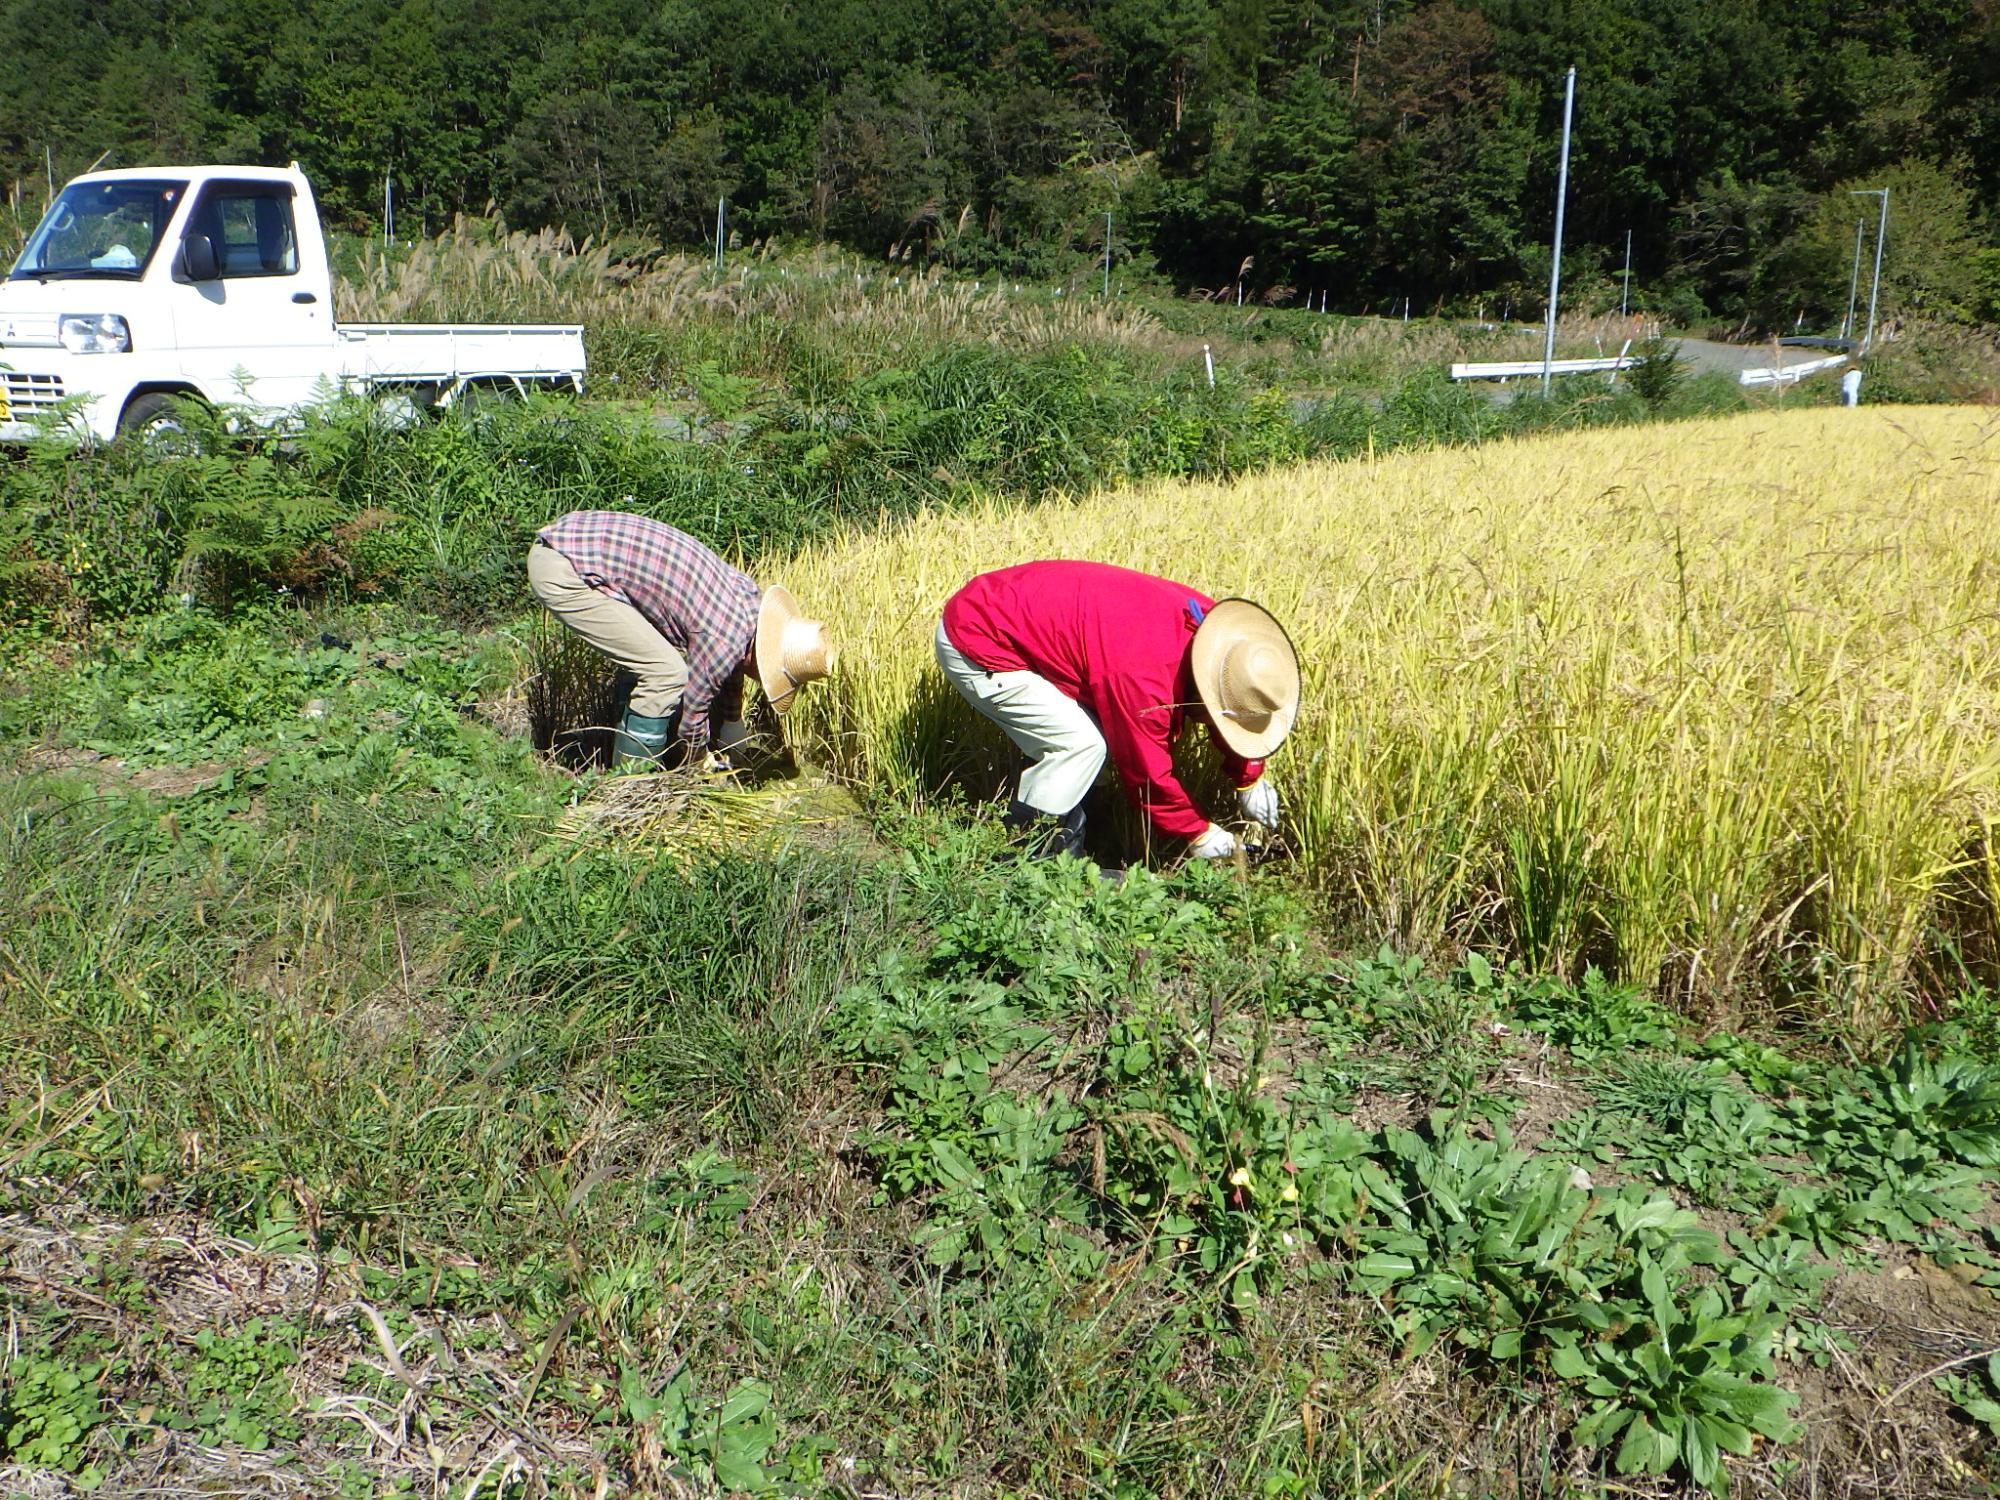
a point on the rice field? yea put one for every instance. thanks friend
(1712, 707)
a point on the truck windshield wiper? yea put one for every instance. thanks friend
(78, 273)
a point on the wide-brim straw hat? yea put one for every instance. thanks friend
(1247, 675)
(791, 650)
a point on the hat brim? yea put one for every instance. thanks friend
(775, 611)
(1231, 621)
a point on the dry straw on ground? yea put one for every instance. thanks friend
(685, 811)
(1713, 705)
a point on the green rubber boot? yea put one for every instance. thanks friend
(640, 741)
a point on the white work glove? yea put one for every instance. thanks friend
(728, 736)
(1259, 802)
(717, 765)
(1213, 843)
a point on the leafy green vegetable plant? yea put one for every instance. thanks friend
(1681, 1383)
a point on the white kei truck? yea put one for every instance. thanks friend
(142, 287)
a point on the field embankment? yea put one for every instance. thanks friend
(1710, 706)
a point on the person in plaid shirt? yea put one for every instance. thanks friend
(684, 622)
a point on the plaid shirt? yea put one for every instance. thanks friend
(706, 609)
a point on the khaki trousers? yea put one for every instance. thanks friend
(613, 627)
(1048, 726)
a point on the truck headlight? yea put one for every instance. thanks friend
(94, 333)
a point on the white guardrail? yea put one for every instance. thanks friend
(1516, 368)
(1509, 369)
(1787, 374)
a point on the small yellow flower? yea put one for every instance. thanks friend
(1240, 1177)
(1288, 1193)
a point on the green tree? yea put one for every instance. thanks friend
(1927, 261)
(1302, 194)
(1730, 252)
(1446, 155)
(694, 173)
(583, 160)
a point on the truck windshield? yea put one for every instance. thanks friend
(99, 230)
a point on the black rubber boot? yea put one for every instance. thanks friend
(1046, 834)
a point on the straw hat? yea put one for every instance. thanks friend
(1248, 677)
(791, 650)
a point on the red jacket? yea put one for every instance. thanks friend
(1118, 643)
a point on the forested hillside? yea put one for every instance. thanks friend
(1374, 150)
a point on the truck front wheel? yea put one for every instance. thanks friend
(154, 420)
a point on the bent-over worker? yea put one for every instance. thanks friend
(1076, 659)
(684, 622)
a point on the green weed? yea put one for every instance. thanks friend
(1975, 1391)
(48, 1411)
(236, 1387)
(1690, 1385)
(723, 1443)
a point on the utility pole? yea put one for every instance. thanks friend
(721, 229)
(1625, 289)
(1107, 257)
(1556, 265)
(388, 208)
(1881, 234)
(1853, 280)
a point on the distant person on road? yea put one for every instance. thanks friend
(1074, 660)
(685, 623)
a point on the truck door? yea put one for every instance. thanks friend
(259, 334)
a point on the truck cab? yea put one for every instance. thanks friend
(140, 287)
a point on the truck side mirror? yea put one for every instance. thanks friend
(198, 258)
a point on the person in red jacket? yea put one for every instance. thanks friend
(1076, 659)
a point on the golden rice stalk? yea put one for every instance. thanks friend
(1712, 705)
(573, 696)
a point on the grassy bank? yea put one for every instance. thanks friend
(786, 317)
(380, 1122)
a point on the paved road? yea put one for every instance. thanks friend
(1702, 355)
(1734, 359)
